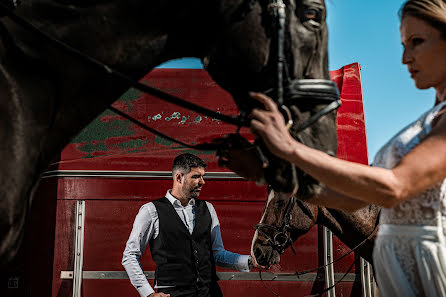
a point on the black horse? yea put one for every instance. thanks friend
(358, 228)
(47, 96)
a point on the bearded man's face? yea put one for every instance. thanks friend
(193, 182)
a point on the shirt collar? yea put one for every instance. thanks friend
(174, 201)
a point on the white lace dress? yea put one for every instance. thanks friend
(410, 251)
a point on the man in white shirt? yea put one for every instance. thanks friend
(184, 237)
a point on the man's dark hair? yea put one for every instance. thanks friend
(185, 162)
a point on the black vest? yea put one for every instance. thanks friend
(181, 258)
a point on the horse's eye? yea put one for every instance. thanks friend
(312, 18)
(311, 14)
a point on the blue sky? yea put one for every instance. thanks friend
(367, 32)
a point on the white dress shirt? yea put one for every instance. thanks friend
(146, 227)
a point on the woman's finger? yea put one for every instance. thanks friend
(268, 118)
(260, 115)
(265, 100)
(257, 127)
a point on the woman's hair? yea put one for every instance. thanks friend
(432, 12)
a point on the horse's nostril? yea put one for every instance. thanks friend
(262, 256)
(257, 252)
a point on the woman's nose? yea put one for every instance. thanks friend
(407, 56)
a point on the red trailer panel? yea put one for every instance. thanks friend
(113, 167)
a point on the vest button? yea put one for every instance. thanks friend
(196, 252)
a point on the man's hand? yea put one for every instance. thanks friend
(160, 294)
(253, 263)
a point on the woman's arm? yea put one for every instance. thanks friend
(332, 199)
(419, 170)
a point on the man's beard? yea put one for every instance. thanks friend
(193, 192)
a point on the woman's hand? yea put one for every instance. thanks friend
(269, 124)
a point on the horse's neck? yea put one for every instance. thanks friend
(352, 228)
(130, 36)
(74, 92)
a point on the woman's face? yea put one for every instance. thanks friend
(424, 53)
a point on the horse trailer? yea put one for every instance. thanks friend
(83, 210)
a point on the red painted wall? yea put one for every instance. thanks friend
(111, 143)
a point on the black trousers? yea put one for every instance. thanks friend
(211, 290)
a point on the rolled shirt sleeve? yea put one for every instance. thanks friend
(222, 257)
(142, 232)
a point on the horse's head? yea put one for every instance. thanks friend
(245, 58)
(283, 221)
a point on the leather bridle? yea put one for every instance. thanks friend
(281, 238)
(321, 91)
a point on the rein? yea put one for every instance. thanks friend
(312, 295)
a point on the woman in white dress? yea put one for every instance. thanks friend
(409, 174)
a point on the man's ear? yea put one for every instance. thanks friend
(179, 177)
